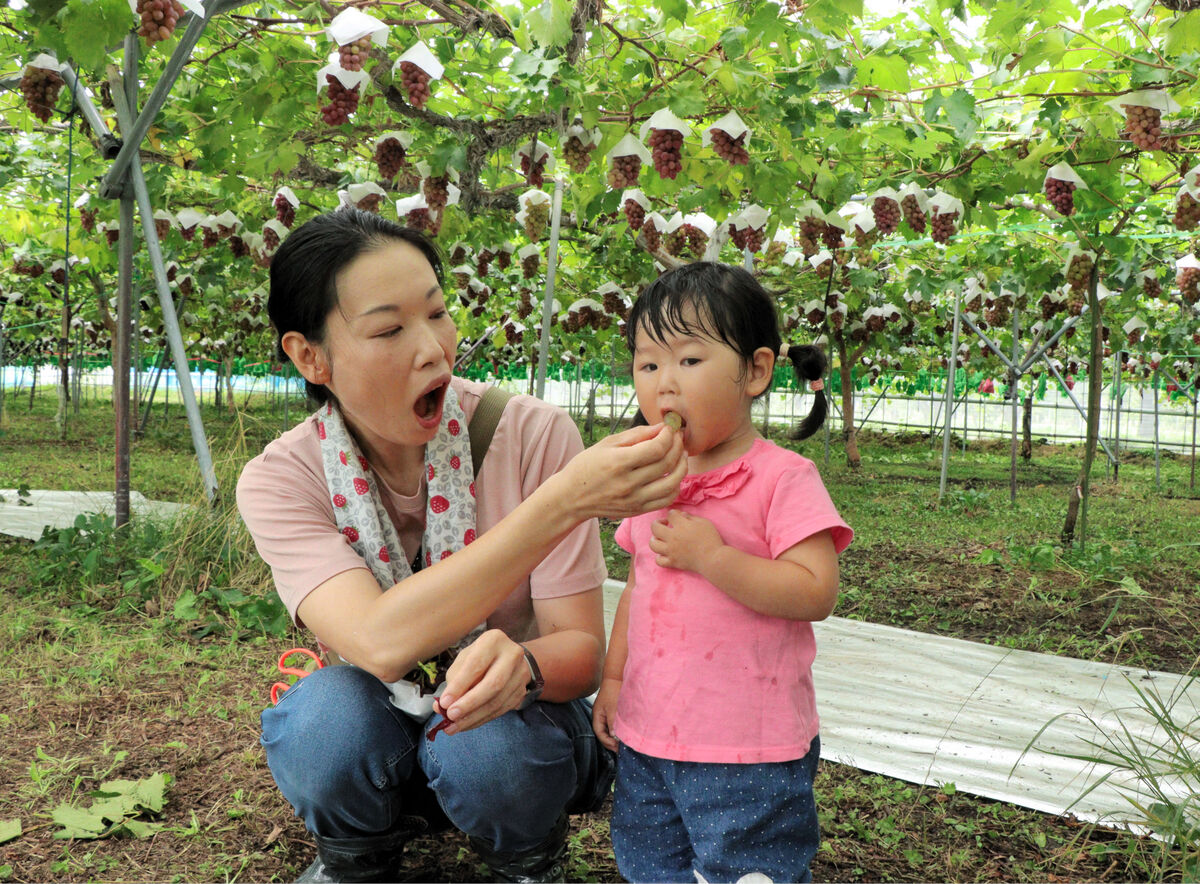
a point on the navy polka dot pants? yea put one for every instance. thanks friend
(674, 820)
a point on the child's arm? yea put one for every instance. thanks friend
(801, 584)
(604, 710)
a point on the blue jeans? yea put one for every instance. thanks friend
(352, 764)
(672, 819)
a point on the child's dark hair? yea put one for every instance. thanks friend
(305, 268)
(726, 304)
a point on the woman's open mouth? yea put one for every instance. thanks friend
(428, 408)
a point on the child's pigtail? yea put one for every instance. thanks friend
(809, 364)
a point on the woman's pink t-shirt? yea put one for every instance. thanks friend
(707, 679)
(284, 501)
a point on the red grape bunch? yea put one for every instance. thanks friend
(162, 227)
(530, 264)
(483, 261)
(436, 191)
(28, 267)
(352, 55)
(158, 19)
(211, 237)
(1188, 280)
(674, 241)
(1143, 125)
(512, 334)
(914, 215)
(615, 305)
(651, 234)
(238, 246)
(634, 213)
(1061, 195)
(370, 203)
(416, 84)
(39, 88)
(342, 102)
(697, 240)
(943, 226)
(525, 302)
(1187, 211)
(887, 214)
(811, 229)
(390, 158)
(1151, 286)
(270, 238)
(87, 219)
(666, 146)
(1050, 306)
(831, 236)
(504, 258)
(746, 238)
(418, 219)
(577, 154)
(537, 216)
(534, 170)
(731, 150)
(285, 212)
(1079, 272)
(623, 171)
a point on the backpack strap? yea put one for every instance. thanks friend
(484, 422)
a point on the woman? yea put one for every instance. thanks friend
(380, 477)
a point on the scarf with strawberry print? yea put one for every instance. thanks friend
(361, 517)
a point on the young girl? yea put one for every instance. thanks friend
(708, 681)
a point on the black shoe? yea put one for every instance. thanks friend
(545, 862)
(373, 858)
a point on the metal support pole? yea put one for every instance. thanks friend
(948, 408)
(121, 346)
(1120, 394)
(110, 145)
(1014, 375)
(1074, 401)
(548, 300)
(170, 320)
(1157, 457)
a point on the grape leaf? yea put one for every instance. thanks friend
(89, 27)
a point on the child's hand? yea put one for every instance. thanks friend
(684, 541)
(604, 712)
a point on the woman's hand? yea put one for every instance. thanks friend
(604, 713)
(627, 474)
(486, 679)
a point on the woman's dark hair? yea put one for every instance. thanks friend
(305, 268)
(726, 304)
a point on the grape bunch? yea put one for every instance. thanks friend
(210, 238)
(1188, 281)
(811, 229)
(418, 219)
(1049, 306)
(530, 265)
(512, 335)
(1061, 195)
(534, 170)
(483, 261)
(111, 235)
(537, 216)
(623, 171)
(416, 84)
(158, 19)
(436, 191)
(1151, 286)
(697, 240)
(270, 238)
(913, 214)
(731, 150)
(943, 226)
(674, 242)
(747, 238)
(39, 88)
(161, 228)
(238, 247)
(615, 305)
(1143, 125)
(504, 259)
(666, 147)
(87, 219)
(525, 302)
(652, 235)
(28, 267)
(285, 212)
(370, 203)
(634, 213)
(1079, 271)
(187, 286)
(775, 250)
(1187, 212)
(352, 55)
(390, 158)
(864, 239)
(577, 154)
(815, 316)
(998, 312)
(887, 214)
(342, 102)
(824, 269)
(831, 236)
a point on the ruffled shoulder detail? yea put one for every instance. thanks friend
(715, 484)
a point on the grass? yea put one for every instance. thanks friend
(151, 650)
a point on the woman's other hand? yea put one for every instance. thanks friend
(626, 474)
(486, 680)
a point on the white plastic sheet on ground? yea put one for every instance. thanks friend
(933, 710)
(58, 509)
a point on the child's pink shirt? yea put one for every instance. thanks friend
(707, 679)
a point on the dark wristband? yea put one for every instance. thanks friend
(533, 690)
